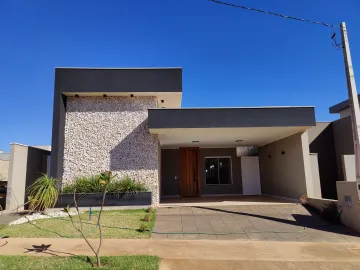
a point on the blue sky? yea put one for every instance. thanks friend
(229, 57)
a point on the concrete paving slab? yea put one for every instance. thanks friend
(291, 222)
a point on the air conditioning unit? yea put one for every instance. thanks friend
(242, 151)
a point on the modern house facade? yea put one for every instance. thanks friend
(130, 121)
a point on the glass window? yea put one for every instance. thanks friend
(218, 170)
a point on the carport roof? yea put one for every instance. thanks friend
(228, 127)
(231, 117)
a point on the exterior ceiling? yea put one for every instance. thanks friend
(223, 137)
(163, 83)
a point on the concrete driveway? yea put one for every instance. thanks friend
(278, 222)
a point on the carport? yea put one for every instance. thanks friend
(233, 151)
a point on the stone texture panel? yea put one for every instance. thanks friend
(111, 134)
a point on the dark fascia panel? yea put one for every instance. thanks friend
(231, 117)
(78, 80)
(341, 106)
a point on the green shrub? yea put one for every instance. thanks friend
(143, 227)
(150, 210)
(126, 185)
(83, 184)
(43, 192)
(91, 185)
(146, 218)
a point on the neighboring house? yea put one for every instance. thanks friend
(332, 140)
(130, 121)
(4, 169)
(26, 164)
(4, 166)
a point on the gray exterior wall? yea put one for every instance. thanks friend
(315, 176)
(322, 142)
(343, 140)
(284, 174)
(111, 133)
(36, 164)
(26, 165)
(170, 169)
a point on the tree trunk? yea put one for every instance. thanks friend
(98, 263)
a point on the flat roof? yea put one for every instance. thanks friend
(231, 117)
(343, 105)
(129, 80)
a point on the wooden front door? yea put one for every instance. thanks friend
(189, 172)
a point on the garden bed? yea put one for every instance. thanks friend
(112, 199)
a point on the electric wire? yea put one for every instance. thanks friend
(333, 33)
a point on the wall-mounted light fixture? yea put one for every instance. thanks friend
(131, 95)
(104, 95)
(76, 95)
(162, 101)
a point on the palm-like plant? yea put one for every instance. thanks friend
(43, 192)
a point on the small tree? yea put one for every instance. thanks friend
(104, 179)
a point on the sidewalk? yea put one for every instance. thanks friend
(190, 249)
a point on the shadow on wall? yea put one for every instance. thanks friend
(137, 151)
(323, 145)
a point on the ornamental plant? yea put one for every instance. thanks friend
(104, 178)
(44, 193)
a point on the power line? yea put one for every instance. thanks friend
(333, 34)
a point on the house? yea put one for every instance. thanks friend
(131, 121)
(331, 140)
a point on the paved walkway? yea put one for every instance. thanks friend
(277, 222)
(255, 265)
(203, 254)
(188, 249)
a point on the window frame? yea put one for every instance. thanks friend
(231, 172)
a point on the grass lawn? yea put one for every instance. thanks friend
(79, 262)
(116, 224)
